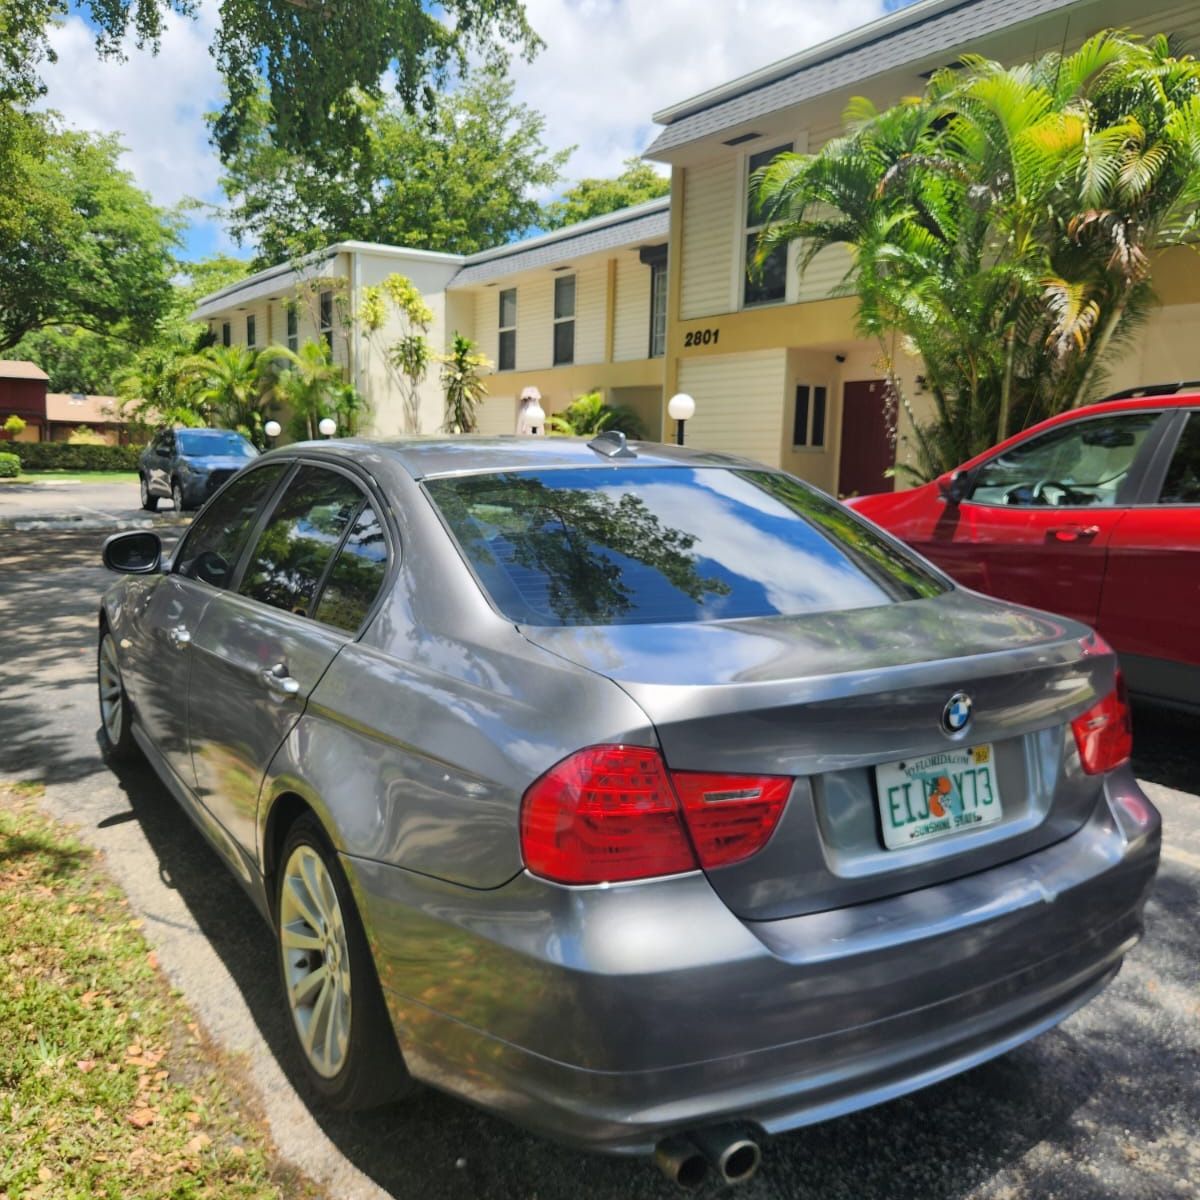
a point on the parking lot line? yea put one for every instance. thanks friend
(1186, 857)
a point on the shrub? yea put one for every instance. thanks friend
(10, 466)
(67, 456)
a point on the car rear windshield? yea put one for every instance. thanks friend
(213, 442)
(637, 545)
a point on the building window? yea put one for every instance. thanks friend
(658, 309)
(250, 332)
(226, 334)
(769, 285)
(808, 424)
(508, 330)
(564, 320)
(325, 301)
(293, 329)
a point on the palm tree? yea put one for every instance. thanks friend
(1002, 225)
(309, 383)
(589, 415)
(227, 385)
(462, 384)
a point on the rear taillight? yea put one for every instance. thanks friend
(612, 813)
(1104, 734)
(730, 817)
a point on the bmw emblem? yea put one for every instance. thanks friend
(956, 716)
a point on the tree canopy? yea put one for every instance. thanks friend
(314, 58)
(80, 243)
(638, 182)
(1003, 225)
(459, 178)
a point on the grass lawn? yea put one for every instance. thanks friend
(108, 1088)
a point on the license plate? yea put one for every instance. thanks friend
(937, 794)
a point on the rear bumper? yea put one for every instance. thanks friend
(609, 1017)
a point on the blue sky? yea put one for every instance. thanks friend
(607, 66)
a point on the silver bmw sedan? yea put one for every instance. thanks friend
(646, 796)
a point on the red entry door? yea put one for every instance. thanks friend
(867, 450)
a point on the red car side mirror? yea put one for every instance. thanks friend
(955, 487)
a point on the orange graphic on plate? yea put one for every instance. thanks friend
(941, 788)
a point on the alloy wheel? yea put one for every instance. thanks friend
(177, 497)
(111, 712)
(316, 960)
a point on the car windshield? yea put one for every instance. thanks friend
(637, 545)
(213, 442)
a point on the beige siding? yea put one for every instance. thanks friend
(739, 403)
(711, 207)
(487, 322)
(631, 320)
(498, 413)
(535, 315)
(825, 274)
(591, 286)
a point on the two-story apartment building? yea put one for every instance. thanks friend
(577, 310)
(656, 299)
(775, 366)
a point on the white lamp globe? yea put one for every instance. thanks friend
(535, 413)
(681, 407)
(327, 427)
(272, 429)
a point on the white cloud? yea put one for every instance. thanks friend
(608, 64)
(154, 103)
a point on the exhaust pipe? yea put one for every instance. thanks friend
(732, 1155)
(682, 1162)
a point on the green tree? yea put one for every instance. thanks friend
(461, 178)
(462, 384)
(589, 415)
(1003, 224)
(311, 387)
(638, 182)
(225, 384)
(77, 360)
(312, 58)
(80, 244)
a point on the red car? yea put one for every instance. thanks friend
(1094, 514)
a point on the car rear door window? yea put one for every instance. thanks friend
(357, 574)
(1182, 485)
(616, 545)
(213, 545)
(1081, 464)
(302, 535)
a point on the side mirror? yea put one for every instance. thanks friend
(135, 553)
(955, 487)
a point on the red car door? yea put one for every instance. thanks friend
(1041, 514)
(1150, 607)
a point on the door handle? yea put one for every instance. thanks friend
(179, 637)
(1073, 533)
(279, 681)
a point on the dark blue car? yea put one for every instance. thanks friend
(188, 465)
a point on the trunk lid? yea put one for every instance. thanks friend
(827, 697)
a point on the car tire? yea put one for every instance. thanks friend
(177, 496)
(149, 502)
(341, 1024)
(116, 713)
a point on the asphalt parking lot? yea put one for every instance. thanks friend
(1108, 1105)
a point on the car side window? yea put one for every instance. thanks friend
(1182, 485)
(303, 533)
(356, 575)
(1082, 464)
(213, 545)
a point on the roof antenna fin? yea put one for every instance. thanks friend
(611, 443)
